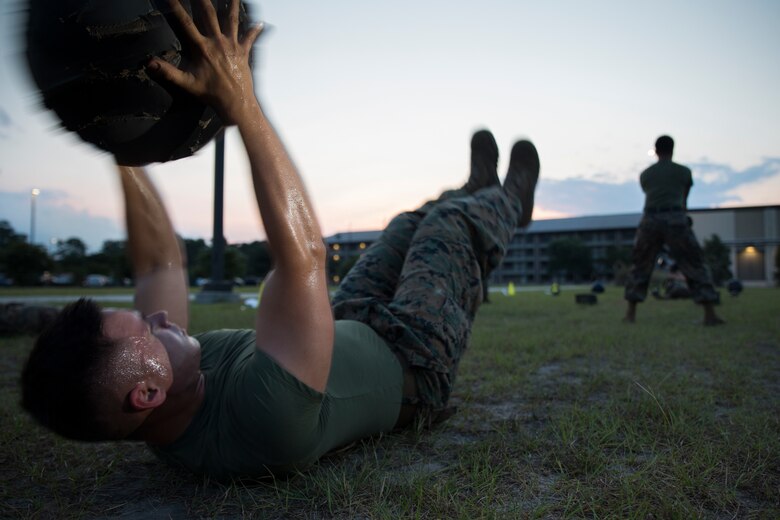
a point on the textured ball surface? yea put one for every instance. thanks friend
(88, 58)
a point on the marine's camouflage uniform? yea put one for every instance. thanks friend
(18, 318)
(672, 228)
(420, 284)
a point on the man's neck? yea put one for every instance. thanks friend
(169, 421)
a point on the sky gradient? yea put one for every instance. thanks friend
(377, 102)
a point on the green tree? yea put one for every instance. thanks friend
(25, 263)
(235, 263)
(70, 257)
(72, 248)
(570, 256)
(112, 260)
(258, 258)
(193, 249)
(618, 255)
(717, 257)
(116, 250)
(616, 263)
(8, 237)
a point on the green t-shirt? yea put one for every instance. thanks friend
(257, 418)
(665, 184)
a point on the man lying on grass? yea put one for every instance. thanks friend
(311, 377)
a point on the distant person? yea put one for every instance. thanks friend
(666, 185)
(310, 377)
(674, 285)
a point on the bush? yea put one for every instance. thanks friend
(716, 256)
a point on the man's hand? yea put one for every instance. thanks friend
(220, 75)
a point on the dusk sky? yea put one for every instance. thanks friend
(377, 101)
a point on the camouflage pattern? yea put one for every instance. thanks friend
(420, 284)
(17, 318)
(672, 228)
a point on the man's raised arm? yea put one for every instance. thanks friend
(158, 263)
(294, 321)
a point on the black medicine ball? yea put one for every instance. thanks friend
(88, 58)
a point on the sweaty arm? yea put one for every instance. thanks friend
(156, 257)
(294, 321)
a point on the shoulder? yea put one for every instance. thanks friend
(658, 165)
(683, 171)
(648, 172)
(680, 167)
(220, 347)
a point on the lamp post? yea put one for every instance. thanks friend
(33, 195)
(218, 289)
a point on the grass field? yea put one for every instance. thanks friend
(564, 412)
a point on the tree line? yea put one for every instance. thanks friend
(68, 263)
(571, 259)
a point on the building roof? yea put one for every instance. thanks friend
(556, 225)
(353, 236)
(588, 223)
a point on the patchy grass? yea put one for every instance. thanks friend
(564, 412)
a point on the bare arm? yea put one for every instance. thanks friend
(294, 321)
(158, 263)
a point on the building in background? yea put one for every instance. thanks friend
(752, 235)
(344, 249)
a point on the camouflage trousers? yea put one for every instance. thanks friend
(18, 318)
(673, 229)
(420, 284)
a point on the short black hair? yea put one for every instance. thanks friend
(664, 145)
(58, 381)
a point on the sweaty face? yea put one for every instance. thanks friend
(160, 340)
(139, 353)
(183, 350)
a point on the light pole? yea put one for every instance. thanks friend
(218, 289)
(33, 195)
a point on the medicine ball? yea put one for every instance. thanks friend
(88, 58)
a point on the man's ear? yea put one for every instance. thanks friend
(145, 396)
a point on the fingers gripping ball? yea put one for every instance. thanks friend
(88, 58)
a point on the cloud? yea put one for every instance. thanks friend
(714, 185)
(575, 197)
(55, 218)
(5, 123)
(721, 185)
(762, 192)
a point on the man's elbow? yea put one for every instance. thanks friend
(317, 253)
(306, 257)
